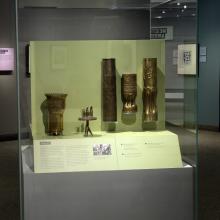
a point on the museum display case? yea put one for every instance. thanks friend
(107, 96)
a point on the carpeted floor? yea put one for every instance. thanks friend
(209, 178)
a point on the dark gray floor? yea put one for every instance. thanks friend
(209, 175)
(9, 181)
(209, 178)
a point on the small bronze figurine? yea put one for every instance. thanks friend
(91, 111)
(56, 106)
(150, 90)
(129, 93)
(87, 112)
(83, 113)
(87, 115)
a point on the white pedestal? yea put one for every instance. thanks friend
(111, 195)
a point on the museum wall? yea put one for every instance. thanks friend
(184, 31)
(208, 85)
(8, 94)
(181, 113)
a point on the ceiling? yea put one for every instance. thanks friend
(111, 4)
(160, 8)
(174, 9)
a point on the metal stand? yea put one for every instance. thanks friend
(87, 128)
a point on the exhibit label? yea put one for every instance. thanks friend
(6, 59)
(119, 151)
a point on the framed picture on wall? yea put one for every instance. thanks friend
(186, 59)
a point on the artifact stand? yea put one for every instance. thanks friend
(87, 128)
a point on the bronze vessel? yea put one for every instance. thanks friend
(150, 90)
(129, 93)
(56, 107)
(109, 99)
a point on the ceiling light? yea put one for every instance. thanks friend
(178, 3)
(163, 12)
(177, 16)
(158, 17)
(185, 6)
(182, 10)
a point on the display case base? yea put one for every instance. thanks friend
(111, 195)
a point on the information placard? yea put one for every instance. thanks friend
(117, 151)
(6, 59)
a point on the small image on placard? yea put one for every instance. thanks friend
(187, 57)
(102, 149)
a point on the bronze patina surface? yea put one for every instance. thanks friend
(109, 99)
(129, 93)
(87, 115)
(56, 107)
(150, 90)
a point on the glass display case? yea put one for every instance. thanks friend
(107, 95)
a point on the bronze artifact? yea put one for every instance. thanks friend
(87, 115)
(129, 93)
(109, 99)
(56, 106)
(150, 90)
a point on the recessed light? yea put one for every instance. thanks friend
(163, 12)
(185, 6)
(158, 17)
(178, 3)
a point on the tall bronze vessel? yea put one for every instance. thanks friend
(150, 90)
(129, 93)
(109, 99)
(56, 106)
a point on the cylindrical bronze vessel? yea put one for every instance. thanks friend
(129, 93)
(56, 107)
(109, 99)
(150, 90)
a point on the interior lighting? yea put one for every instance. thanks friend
(185, 6)
(163, 12)
(178, 3)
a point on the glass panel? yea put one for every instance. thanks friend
(103, 88)
(176, 22)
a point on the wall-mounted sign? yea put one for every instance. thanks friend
(203, 54)
(163, 32)
(187, 59)
(6, 59)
